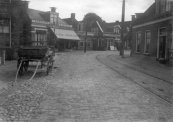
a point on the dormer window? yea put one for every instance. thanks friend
(53, 18)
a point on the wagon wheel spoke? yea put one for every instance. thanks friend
(26, 65)
(21, 70)
(48, 68)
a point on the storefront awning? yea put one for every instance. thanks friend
(65, 34)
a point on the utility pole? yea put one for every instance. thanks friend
(85, 37)
(122, 30)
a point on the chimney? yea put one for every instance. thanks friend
(133, 17)
(53, 9)
(72, 16)
(26, 4)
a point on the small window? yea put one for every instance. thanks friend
(116, 30)
(168, 5)
(40, 38)
(138, 41)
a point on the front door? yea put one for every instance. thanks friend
(162, 47)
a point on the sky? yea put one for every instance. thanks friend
(108, 10)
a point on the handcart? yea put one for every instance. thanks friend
(42, 55)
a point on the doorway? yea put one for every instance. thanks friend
(162, 47)
(162, 44)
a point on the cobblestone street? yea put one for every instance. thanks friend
(82, 89)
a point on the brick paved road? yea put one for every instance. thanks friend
(84, 90)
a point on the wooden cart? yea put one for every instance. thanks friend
(42, 55)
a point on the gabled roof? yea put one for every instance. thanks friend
(35, 14)
(43, 16)
(68, 20)
(72, 22)
(149, 13)
(109, 27)
(113, 24)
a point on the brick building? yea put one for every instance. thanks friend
(14, 25)
(152, 31)
(22, 26)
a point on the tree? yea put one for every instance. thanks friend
(90, 18)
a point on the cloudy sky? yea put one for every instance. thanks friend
(108, 10)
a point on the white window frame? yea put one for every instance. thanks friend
(138, 42)
(146, 39)
(53, 18)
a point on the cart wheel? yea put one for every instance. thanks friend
(49, 65)
(26, 65)
(21, 69)
(18, 62)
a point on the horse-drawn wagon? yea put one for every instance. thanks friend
(43, 55)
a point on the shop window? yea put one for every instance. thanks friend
(138, 41)
(88, 44)
(4, 36)
(147, 41)
(81, 44)
(40, 38)
(99, 42)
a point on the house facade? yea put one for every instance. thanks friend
(115, 27)
(49, 29)
(152, 31)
